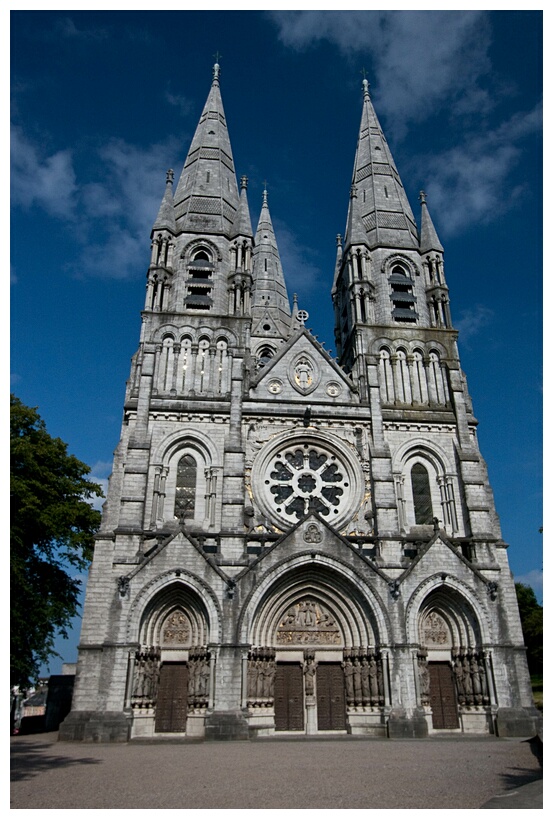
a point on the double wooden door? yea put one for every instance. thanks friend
(443, 697)
(172, 698)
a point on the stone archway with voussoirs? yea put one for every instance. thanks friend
(315, 662)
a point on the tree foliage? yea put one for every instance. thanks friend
(531, 616)
(52, 534)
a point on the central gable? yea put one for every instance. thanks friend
(303, 369)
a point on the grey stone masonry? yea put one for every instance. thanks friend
(294, 544)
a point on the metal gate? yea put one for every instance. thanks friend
(172, 699)
(443, 699)
(331, 701)
(288, 697)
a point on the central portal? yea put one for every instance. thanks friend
(289, 697)
(331, 701)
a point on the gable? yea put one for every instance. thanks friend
(303, 369)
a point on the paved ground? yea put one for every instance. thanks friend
(324, 773)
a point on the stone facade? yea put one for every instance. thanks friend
(293, 543)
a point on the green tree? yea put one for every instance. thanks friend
(52, 535)
(531, 616)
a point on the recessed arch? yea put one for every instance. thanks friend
(355, 607)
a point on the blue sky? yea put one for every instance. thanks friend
(103, 103)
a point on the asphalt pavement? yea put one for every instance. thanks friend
(330, 773)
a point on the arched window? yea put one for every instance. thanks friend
(422, 498)
(185, 492)
(402, 296)
(264, 355)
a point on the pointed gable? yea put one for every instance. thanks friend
(302, 369)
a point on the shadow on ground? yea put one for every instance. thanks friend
(30, 759)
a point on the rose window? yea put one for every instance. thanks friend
(305, 478)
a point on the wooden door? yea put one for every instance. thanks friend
(331, 701)
(172, 699)
(443, 699)
(289, 697)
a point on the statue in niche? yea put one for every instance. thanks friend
(309, 673)
(348, 678)
(303, 374)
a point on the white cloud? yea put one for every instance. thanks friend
(46, 181)
(182, 103)
(116, 209)
(472, 321)
(471, 183)
(95, 501)
(421, 58)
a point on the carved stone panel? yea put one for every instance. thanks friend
(436, 631)
(176, 629)
(308, 622)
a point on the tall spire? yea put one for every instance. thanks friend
(242, 225)
(206, 198)
(379, 209)
(429, 238)
(270, 296)
(166, 215)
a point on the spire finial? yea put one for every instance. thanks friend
(170, 176)
(422, 198)
(243, 182)
(216, 67)
(339, 240)
(366, 85)
(265, 192)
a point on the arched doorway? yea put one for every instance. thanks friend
(172, 668)
(453, 673)
(316, 662)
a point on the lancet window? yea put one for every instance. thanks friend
(185, 489)
(402, 296)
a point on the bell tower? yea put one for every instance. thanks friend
(394, 334)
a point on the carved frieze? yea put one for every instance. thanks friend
(308, 622)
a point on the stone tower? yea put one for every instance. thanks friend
(293, 543)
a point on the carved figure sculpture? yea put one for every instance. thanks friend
(309, 673)
(348, 677)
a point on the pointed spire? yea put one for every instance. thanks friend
(428, 238)
(206, 197)
(379, 210)
(166, 215)
(242, 225)
(269, 288)
(338, 265)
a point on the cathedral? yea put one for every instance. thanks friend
(292, 543)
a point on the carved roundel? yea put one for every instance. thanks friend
(303, 474)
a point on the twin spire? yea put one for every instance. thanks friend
(379, 212)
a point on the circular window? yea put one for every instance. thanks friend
(303, 475)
